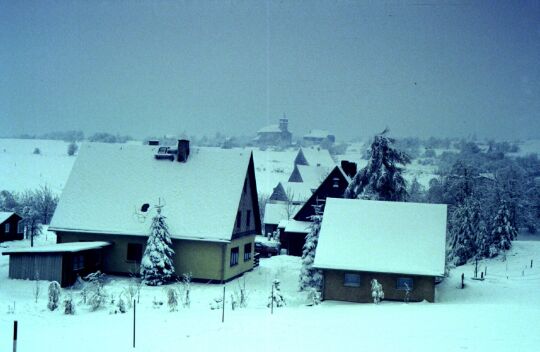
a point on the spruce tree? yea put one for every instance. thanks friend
(503, 232)
(382, 178)
(311, 278)
(157, 262)
(464, 230)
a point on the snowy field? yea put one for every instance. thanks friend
(501, 313)
(22, 169)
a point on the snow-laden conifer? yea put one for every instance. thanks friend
(502, 232)
(276, 298)
(381, 179)
(310, 277)
(157, 262)
(54, 295)
(465, 231)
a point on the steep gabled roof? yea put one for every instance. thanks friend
(110, 183)
(316, 156)
(386, 237)
(4, 215)
(275, 212)
(300, 158)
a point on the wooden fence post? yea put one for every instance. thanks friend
(134, 316)
(15, 336)
(272, 300)
(223, 306)
(462, 280)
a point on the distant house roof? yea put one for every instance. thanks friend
(275, 212)
(110, 184)
(297, 226)
(316, 156)
(317, 134)
(70, 247)
(312, 175)
(386, 237)
(270, 129)
(4, 215)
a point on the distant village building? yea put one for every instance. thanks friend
(209, 198)
(315, 137)
(11, 226)
(277, 135)
(401, 245)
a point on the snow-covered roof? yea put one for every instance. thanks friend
(270, 128)
(110, 183)
(312, 175)
(275, 212)
(317, 134)
(4, 215)
(297, 226)
(299, 191)
(59, 248)
(318, 156)
(388, 237)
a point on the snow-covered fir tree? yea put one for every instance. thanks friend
(416, 192)
(503, 233)
(275, 295)
(311, 278)
(157, 262)
(54, 295)
(377, 292)
(382, 178)
(465, 231)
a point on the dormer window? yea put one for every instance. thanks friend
(145, 207)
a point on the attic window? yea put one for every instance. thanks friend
(145, 207)
(336, 182)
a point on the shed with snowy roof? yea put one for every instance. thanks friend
(208, 196)
(402, 245)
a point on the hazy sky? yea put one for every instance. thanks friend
(144, 68)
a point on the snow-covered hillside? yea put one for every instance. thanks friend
(473, 319)
(22, 169)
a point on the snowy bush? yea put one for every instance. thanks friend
(186, 286)
(276, 298)
(314, 297)
(37, 151)
(94, 292)
(121, 305)
(377, 292)
(54, 295)
(172, 299)
(72, 148)
(69, 305)
(157, 264)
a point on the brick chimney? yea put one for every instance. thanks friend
(183, 150)
(349, 168)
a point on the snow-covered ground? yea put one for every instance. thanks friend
(499, 314)
(22, 169)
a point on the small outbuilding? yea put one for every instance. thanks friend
(402, 245)
(11, 227)
(61, 262)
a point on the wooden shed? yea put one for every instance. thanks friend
(401, 245)
(59, 262)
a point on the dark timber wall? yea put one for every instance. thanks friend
(334, 288)
(47, 266)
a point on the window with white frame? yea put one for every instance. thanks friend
(404, 283)
(6, 228)
(235, 253)
(78, 262)
(351, 280)
(20, 227)
(247, 252)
